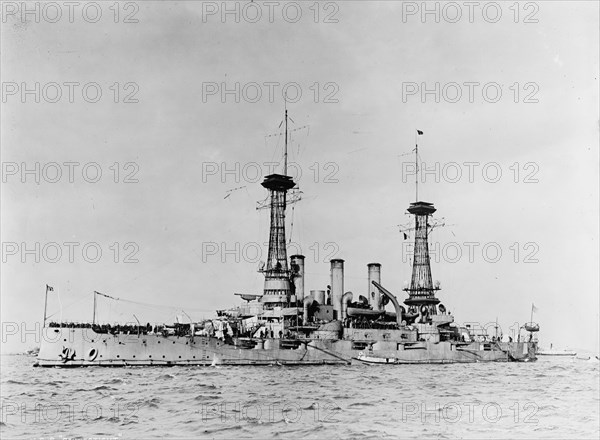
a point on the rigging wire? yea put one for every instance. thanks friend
(79, 298)
(162, 266)
(151, 305)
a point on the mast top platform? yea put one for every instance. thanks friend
(421, 208)
(278, 182)
(421, 296)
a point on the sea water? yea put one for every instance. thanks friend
(550, 398)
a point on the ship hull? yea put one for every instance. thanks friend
(82, 347)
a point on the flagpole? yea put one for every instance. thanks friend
(59, 303)
(94, 314)
(45, 306)
(496, 328)
(531, 318)
(416, 167)
(285, 154)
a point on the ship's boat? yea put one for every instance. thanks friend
(532, 327)
(367, 359)
(364, 312)
(542, 352)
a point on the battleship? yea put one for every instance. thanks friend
(287, 325)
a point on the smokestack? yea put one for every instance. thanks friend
(373, 292)
(298, 269)
(337, 286)
(318, 296)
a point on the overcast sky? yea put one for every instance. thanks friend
(515, 93)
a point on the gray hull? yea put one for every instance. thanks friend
(82, 347)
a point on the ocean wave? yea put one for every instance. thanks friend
(166, 376)
(204, 397)
(222, 429)
(360, 404)
(323, 402)
(15, 382)
(116, 380)
(103, 387)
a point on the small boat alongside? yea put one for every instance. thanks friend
(370, 359)
(551, 352)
